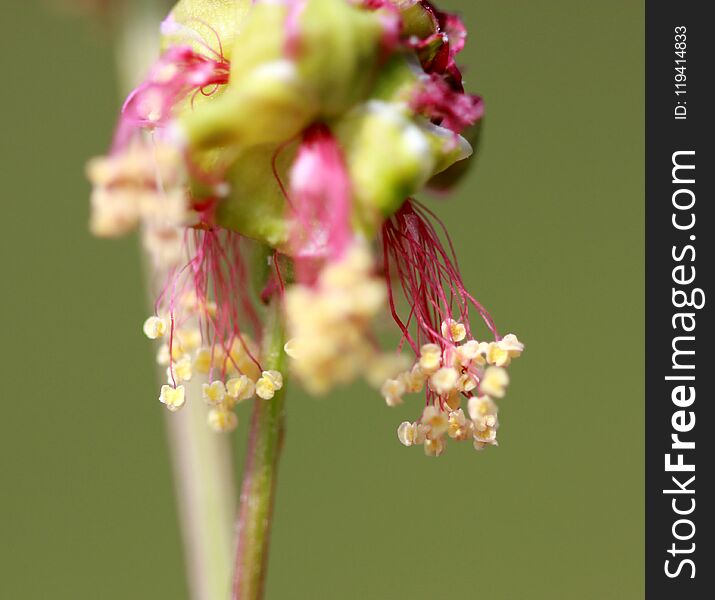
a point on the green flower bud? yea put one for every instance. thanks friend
(390, 156)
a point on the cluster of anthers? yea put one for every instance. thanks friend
(270, 158)
(233, 373)
(471, 370)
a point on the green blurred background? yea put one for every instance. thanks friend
(550, 230)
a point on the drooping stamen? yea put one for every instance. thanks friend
(429, 276)
(211, 293)
(319, 201)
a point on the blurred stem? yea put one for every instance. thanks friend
(260, 474)
(202, 460)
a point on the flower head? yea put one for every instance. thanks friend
(271, 154)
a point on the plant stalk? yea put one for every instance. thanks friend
(204, 475)
(261, 470)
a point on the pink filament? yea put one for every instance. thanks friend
(429, 277)
(215, 272)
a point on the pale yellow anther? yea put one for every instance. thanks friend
(162, 355)
(420, 434)
(268, 384)
(434, 447)
(494, 382)
(459, 428)
(444, 380)
(483, 412)
(189, 300)
(496, 355)
(240, 358)
(471, 353)
(452, 330)
(392, 391)
(480, 407)
(436, 420)
(413, 380)
(479, 446)
(488, 435)
(207, 358)
(202, 362)
(512, 345)
(329, 324)
(172, 398)
(222, 420)
(213, 393)
(430, 358)
(406, 433)
(466, 382)
(190, 339)
(385, 366)
(454, 400)
(368, 298)
(181, 370)
(155, 327)
(240, 388)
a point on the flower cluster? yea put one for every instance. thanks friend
(472, 370)
(270, 157)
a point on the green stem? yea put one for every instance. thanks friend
(204, 474)
(259, 479)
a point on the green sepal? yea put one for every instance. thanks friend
(256, 206)
(451, 176)
(216, 23)
(390, 156)
(338, 52)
